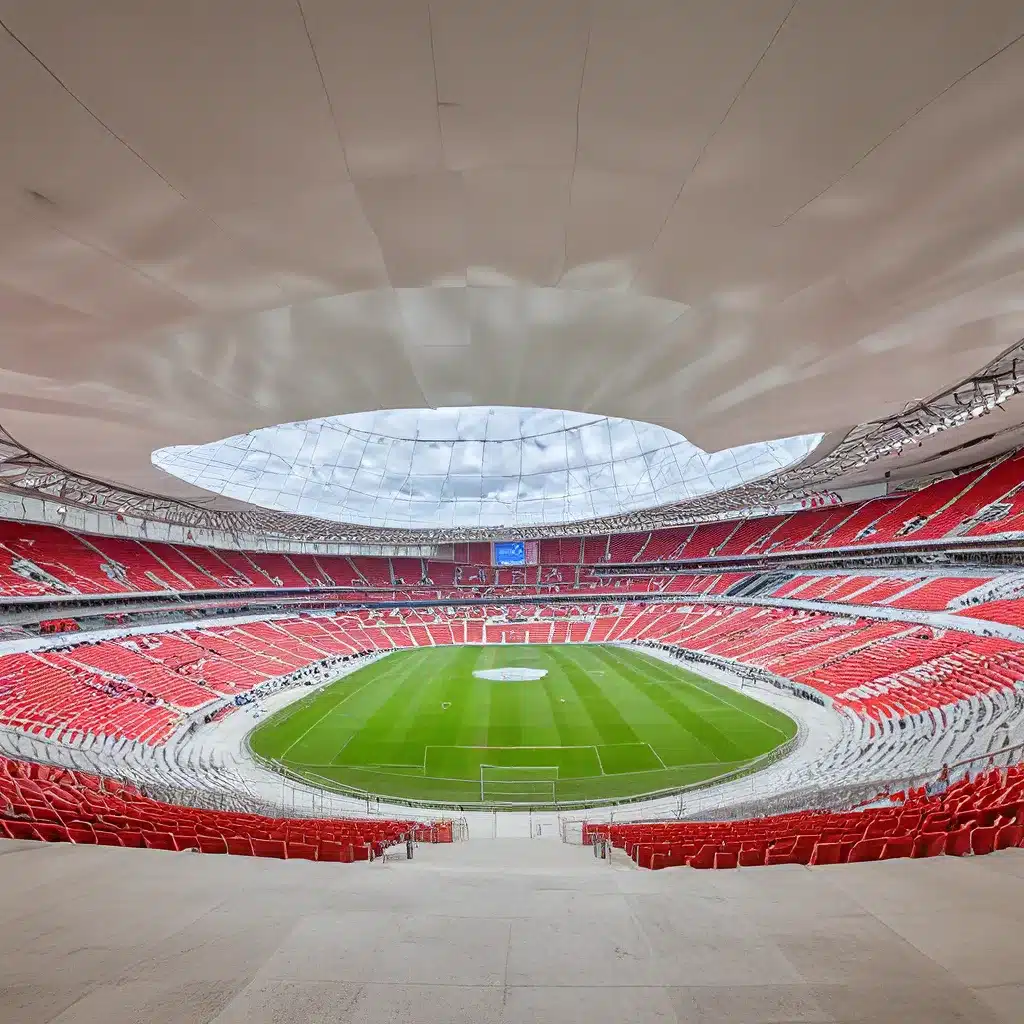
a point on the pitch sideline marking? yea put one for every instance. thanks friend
(723, 766)
(329, 711)
(618, 654)
(526, 746)
(728, 704)
(528, 768)
(343, 746)
(657, 756)
(354, 767)
(694, 683)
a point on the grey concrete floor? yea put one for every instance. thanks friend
(505, 931)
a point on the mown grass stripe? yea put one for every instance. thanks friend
(705, 743)
(380, 720)
(564, 718)
(609, 724)
(374, 741)
(717, 695)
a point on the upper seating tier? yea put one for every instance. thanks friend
(39, 560)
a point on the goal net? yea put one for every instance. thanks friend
(533, 785)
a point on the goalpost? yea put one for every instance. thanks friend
(504, 785)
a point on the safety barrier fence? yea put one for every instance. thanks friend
(837, 798)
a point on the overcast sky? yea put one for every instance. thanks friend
(468, 467)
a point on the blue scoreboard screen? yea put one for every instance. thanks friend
(511, 552)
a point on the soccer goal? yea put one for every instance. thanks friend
(503, 785)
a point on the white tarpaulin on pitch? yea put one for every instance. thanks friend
(511, 675)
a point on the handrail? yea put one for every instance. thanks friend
(1016, 747)
(835, 798)
(352, 792)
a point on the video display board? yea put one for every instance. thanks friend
(511, 552)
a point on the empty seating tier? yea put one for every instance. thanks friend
(145, 686)
(38, 560)
(51, 804)
(970, 817)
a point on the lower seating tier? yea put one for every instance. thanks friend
(970, 817)
(52, 804)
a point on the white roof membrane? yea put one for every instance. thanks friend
(469, 467)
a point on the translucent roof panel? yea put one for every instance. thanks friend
(469, 467)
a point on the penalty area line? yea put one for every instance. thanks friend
(657, 755)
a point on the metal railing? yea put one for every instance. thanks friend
(314, 784)
(830, 798)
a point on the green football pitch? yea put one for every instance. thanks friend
(602, 723)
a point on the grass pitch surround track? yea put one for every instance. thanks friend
(604, 723)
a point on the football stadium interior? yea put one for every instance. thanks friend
(511, 511)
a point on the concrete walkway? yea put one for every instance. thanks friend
(508, 932)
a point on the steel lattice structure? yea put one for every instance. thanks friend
(26, 474)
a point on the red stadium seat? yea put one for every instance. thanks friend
(340, 852)
(240, 846)
(867, 850)
(51, 833)
(159, 841)
(826, 853)
(898, 846)
(930, 844)
(1009, 836)
(726, 859)
(983, 839)
(783, 853)
(269, 848)
(802, 849)
(704, 858)
(22, 830)
(958, 843)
